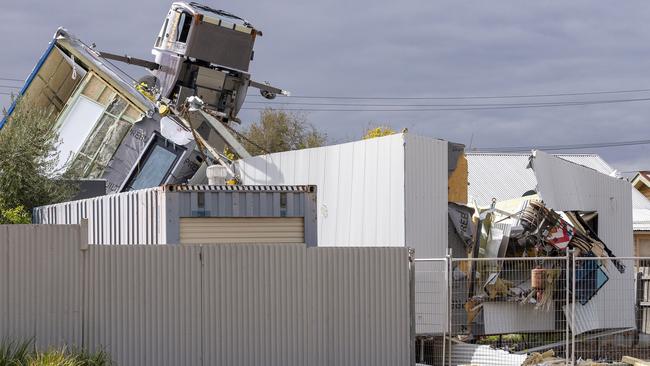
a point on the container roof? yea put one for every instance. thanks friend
(219, 14)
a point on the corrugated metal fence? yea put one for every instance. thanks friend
(207, 305)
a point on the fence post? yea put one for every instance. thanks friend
(573, 308)
(83, 247)
(566, 305)
(448, 277)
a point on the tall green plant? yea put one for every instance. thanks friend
(30, 175)
(14, 353)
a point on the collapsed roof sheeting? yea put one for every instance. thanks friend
(505, 176)
(565, 186)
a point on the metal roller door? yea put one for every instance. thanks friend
(208, 230)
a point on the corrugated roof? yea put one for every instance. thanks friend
(505, 176)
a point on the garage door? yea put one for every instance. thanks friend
(208, 230)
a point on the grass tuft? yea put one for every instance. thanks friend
(25, 354)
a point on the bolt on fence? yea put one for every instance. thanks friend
(514, 311)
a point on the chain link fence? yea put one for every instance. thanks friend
(529, 311)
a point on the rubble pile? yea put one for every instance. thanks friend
(523, 228)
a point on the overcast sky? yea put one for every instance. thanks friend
(407, 49)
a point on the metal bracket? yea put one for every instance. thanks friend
(231, 140)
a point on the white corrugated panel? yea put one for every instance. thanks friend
(201, 230)
(360, 188)
(41, 284)
(508, 317)
(135, 217)
(505, 176)
(426, 177)
(473, 354)
(387, 191)
(566, 187)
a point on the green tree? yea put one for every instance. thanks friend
(279, 130)
(29, 172)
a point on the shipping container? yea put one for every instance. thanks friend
(193, 214)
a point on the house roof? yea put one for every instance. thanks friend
(506, 176)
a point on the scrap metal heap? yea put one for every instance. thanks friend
(522, 228)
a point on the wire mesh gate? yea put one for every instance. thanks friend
(514, 311)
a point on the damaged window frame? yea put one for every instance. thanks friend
(156, 141)
(106, 96)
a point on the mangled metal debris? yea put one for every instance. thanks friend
(491, 290)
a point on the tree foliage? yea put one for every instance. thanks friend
(380, 131)
(29, 173)
(279, 130)
(15, 215)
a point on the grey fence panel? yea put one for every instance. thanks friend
(253, 305)
(4, 281)
(143, 304)
(225, 304)
(42, 284)
(288, 305)
(362, 299)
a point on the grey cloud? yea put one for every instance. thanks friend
(408, 48)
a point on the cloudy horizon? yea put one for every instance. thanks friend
(411, 49)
